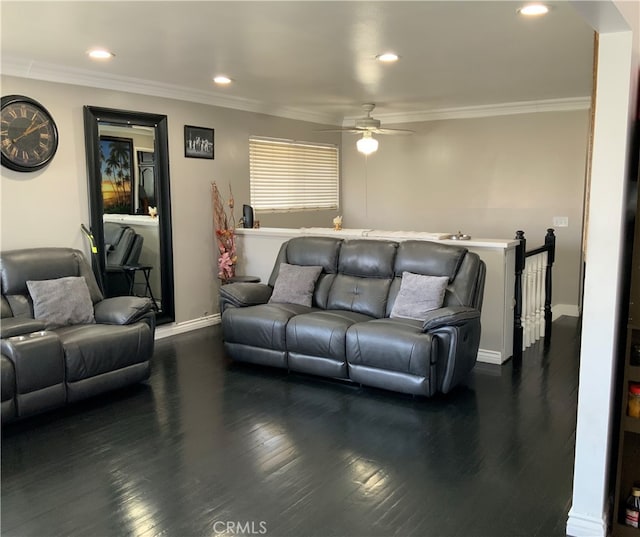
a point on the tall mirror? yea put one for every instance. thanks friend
(130, 204)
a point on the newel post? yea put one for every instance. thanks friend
(550, 244)
(517, 310)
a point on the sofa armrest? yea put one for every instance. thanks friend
(39, 368)
(449, 316)
(457, 330)
(18, 326)
(241, 294)
(122, 309)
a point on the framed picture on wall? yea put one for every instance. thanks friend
(116, 169)
(198, 142)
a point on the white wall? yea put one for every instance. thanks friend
(618, 68)
(478, 175)
(46, 208)
(487, 177)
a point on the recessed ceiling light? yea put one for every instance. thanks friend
(533, 10)
(100, 54)
(387, 57)
(222, 80)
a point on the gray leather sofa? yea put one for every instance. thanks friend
(46, 365)
(349, 330)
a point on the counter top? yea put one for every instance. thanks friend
(504, 244)
(131, 219)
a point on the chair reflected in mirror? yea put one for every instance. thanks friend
(122, 254)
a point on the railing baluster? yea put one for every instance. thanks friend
(532, 299)
(532, 308)
(517, 308)
(539, 296)
(550, 243)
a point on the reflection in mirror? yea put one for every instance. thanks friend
(128, 174)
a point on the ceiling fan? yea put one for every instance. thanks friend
(368, 126)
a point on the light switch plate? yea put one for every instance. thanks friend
(561, 221)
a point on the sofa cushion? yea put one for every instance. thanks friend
(62, 301)
(418, 295)
(322, 251)
(260, 326)
(102, 348)
(316, 342)
(18, 266)
(361, 295)
(365, 272)
(322, 333)
(367, 259)
(295, 284)
(429, 258)
(392, 344)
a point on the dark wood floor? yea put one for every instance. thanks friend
(208, 448)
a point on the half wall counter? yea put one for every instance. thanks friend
(257, 250)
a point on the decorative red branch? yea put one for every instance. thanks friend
(224, 228)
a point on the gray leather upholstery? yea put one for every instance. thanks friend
(44, 369)
(7, 389)
(315, 341)
(347, 333)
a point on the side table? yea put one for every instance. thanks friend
(130, 271)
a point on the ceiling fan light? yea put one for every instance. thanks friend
(100, 54)
(533, 10)
(387, 57)
(367, 144)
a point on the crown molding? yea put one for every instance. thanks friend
(23, 68)
(490, 110)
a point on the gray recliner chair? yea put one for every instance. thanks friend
(45, 365)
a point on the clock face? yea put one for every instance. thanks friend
(28, 134)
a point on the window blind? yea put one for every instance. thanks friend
(287, 175)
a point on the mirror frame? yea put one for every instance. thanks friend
(93, 115)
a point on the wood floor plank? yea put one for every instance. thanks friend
(208, 447)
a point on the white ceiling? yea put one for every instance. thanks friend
(313, 59)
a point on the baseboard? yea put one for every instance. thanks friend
(180, 328)
(570, 310)
(586, 526)
(490, 357)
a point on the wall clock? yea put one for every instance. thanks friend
(28, 134)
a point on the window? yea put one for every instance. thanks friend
(292, 176)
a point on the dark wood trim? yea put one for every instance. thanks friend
(92, 116)
(517, 309)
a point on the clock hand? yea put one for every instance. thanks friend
(29, 130)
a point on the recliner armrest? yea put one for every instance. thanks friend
(449, 316)
(18, 326)
(242, 294)
(122, 309)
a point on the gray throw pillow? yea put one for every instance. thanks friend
(63, 301)
(295, 284)
(418, 295)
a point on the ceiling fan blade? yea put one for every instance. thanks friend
(342, 129)
(392, 131)
(368, 124)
